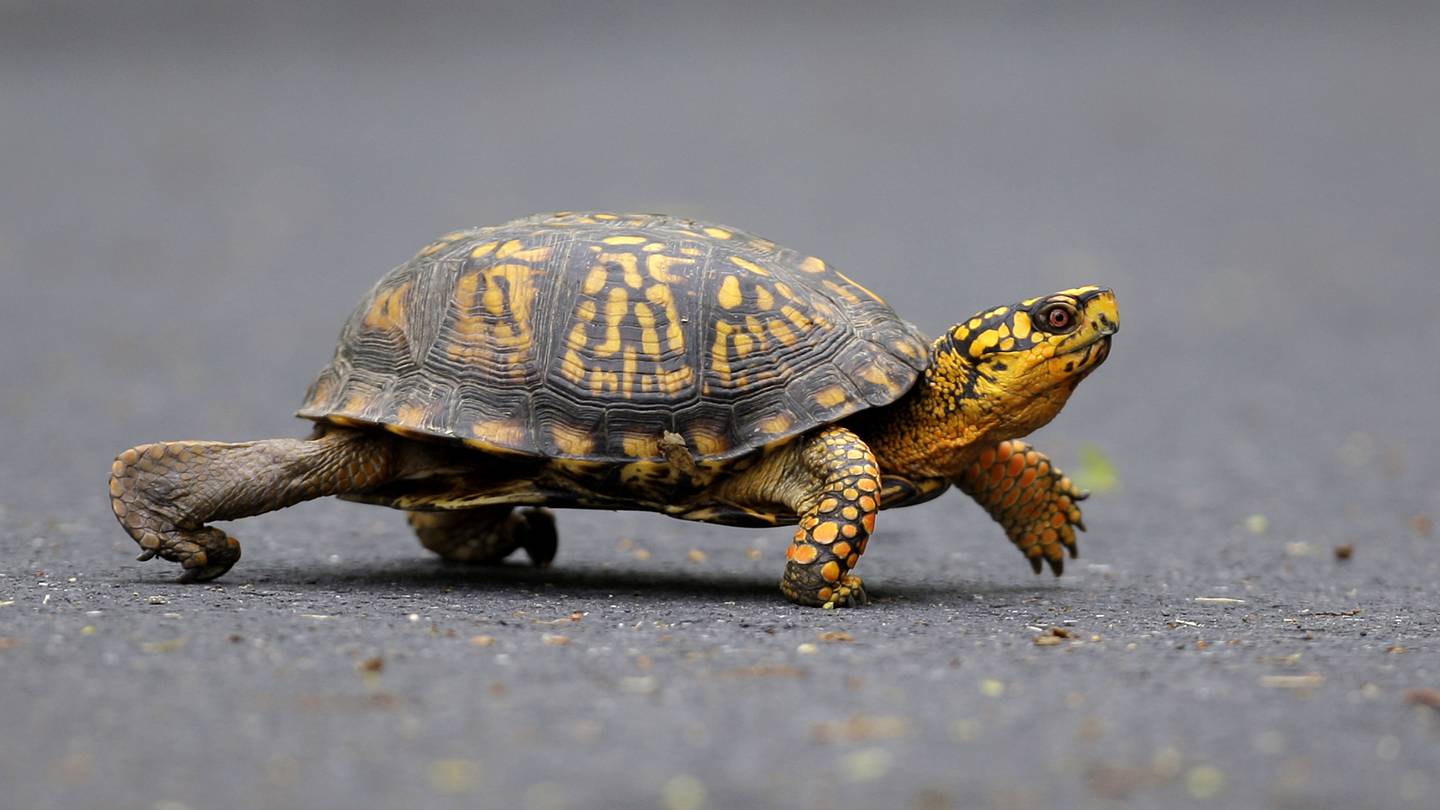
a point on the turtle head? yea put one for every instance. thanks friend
(1008, 370)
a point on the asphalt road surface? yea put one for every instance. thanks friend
(192, 198)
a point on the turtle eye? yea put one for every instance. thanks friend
(1058, 317)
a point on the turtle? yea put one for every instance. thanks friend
(648, 362)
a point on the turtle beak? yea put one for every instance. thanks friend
(1102, 312)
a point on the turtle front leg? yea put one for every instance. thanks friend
(164, 494)
(837, 515)
(1035, 503)
(486, 535)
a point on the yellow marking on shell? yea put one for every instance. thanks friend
(795, 316)
(630, 366)
(746, 264)
(777, 424)
(572, 367)
(719, 351)
(499, 432)
(676, 380)
(576, 338)
(719, 233)
(658, 266)
(355, 403)
(409, 415)
(762, 245)
(843, 292)
(481, 251)
(629, 264)
(595, 280)
(649, 337)
(602, 380)
(830, 397)
(516, 250)
(660, 295)
(730, 296)
(572, 441)
(743, 344)
(876, 375)
(691, 251)
(763, 298)
(782, 333)
(605, 217)
(615, 310)
(638, 445)
(654, 247)
(706, 443)
(585, 311)
(1020, 325)
(625, 240)
(811, 264)
(861, 287)
(905, 348)
(387, 311)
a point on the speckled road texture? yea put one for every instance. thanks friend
(193, 199)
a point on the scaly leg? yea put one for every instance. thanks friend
(164, 494)
(487, 535)
(1033, 501)
(837, 514)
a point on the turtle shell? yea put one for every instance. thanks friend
(590, 335)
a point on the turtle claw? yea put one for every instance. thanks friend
(146, 555)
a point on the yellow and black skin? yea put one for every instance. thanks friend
(640, 361)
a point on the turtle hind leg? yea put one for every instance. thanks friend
(164, 494)
(487, 535)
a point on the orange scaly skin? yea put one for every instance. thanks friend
(834, 531)
(1034, 502)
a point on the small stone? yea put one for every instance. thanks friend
(1344, 551)
(866, 765)
(835, 635)
(482, 641)
(1204, 782)
(807, 649)
(1257, 524)
(683, 792)
(555, 639)
(992, 687)
(158, 600)
(696, 555)
(454, 776)
(1429, 698)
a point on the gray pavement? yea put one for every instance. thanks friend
(193, 196)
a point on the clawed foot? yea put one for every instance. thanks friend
(1049, 539)
(204, 552)
(848, 591)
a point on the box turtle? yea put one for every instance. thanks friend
(623, 361)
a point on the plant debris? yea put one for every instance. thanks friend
(1429, 698)
(1344, 551)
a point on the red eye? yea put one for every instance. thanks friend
(1059, 318)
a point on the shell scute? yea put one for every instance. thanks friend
(587, 335)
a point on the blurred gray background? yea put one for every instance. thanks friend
(194, 195)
